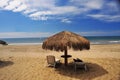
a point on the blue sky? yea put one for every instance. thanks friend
(39, 18)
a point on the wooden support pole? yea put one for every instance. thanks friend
(65, 53)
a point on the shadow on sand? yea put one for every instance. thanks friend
(94, 70)
(5, 63)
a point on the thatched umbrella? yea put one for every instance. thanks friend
(64, 40)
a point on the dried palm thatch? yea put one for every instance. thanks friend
(64, 40)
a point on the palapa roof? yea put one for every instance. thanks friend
(59, 41)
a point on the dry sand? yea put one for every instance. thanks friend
(28, 62)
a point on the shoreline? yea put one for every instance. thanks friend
(25, 44)
(42, 43)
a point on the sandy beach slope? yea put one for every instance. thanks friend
(28, 62)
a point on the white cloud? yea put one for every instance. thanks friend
(39, 4)
(22, 7)
(24, 34)
(109, 18)
(48, 9)
(65, 10)
(12, 5)
(28, 11)
(90, 4)
(3, 3)
(39, 18)
(94, 4)
(66, 21)
(44, 15)
(40, 13)
(47, 34)
(100, 33)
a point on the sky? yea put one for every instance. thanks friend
(42, 18)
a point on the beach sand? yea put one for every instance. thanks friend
(28, 62)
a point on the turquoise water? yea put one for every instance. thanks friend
(92, 39)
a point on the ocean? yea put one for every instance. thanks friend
(92, 39)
